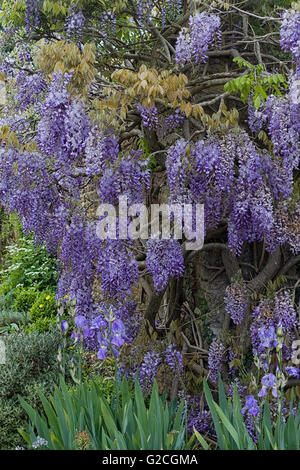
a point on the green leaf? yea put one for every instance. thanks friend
(201, 440)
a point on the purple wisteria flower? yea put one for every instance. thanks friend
(290, 35)
(164, 260)
(215, 358)
(193, 43)
(236, 302)
(148, 370)
(149, 117)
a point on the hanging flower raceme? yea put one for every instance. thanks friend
(236, 302)
(164, 260)
(216, 357)
(193, 43)
(290, 35)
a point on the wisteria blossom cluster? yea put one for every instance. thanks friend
(290, 35)
(75, 23)
(32, 14)
(170, 10)
(173, 121)
(149, 117)
(29, 87)
(144, 9)
(236, 302)
(216, 359)
(164, 260)
(147, 372)
(108, 23)
(193, 43)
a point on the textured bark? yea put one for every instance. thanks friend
(272, 267)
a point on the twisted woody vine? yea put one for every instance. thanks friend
(167, 102)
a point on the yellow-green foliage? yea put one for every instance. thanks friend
(43, 307)
(62, 56)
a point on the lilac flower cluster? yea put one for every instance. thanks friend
(148, 370)
(176, 167)
(192, 44)
(216, 357)
(290, 35)
(118, 269)
(108, 23)
(144, 9)
(29, 89)
(164, 259)
(236, 302)
(174, 359)
(171, 9)
(149, 117)
(173, 121)
(32, 14)
(75, 23)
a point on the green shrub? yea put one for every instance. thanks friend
(28, 357)
(42, 325)
(31, 366)
(43, 307)
(24, 299)
(14, 417)
(26, 266)
(7, 318)
(83, 418)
